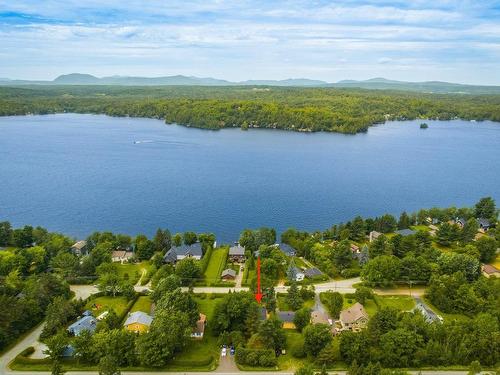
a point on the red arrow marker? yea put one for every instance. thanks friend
(258, 295)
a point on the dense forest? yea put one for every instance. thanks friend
(289, 108)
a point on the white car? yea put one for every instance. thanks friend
(224, 352)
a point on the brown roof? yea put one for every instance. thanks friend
(118, 254)
(353, 313)
(489, 269)
(318, 317)
(354, 248)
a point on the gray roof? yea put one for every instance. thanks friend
(461, 220)
(138, 317)
(79, 245)
(428, 314)
(485, 223)
(262, 313)
(405, 232)
(237, 250)
(311, 272)
(287, 249)
(183, 250)
(286, 316)
(87, 323)
(229, 271)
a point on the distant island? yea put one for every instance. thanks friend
(304, 109)
(424, 125)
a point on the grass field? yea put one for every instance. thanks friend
(133, 271)
(105, 303)
(283, 305)
(402, 303)
(143, 303)
(216, 265)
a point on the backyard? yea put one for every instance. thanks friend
(216, 265)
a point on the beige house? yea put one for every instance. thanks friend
(121, 255)
(490, 271)
(374, 235)
(319, 317)
(353, 319)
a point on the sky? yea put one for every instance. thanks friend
(411, 40)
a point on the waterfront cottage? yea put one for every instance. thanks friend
(79, 248)
(177, 253)
(138, 322)
(237, 253)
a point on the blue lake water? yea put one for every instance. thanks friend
(80, 173)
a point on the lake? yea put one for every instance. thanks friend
(80, 173)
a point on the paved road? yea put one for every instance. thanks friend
(343, 286)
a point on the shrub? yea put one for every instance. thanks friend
(297, 350)
(27, 352)
(256, 357)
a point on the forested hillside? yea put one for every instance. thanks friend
(290, 108)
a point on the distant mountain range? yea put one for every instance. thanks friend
(372, 84)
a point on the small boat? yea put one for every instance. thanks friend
(138, 142)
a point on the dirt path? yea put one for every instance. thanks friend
(239, 277)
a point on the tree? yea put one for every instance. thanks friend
(178, 300)
(474, 368)
(342, 254)
(236, 312)
(56, 368)
(84, 347)
(108, 366)
(485, 208)
(56, 345)
(188, 270)
(5, 233)
(487, 247)
(189, 238)
(162, 240)
(383, 270)
(110, 283)
(447, 234)
(357, 229)
(144, 248)
(65, 263)
(449, 263)
(404, 221)
(469, 230)
(334, 302)
(293, 298)
(380, 246)
(328, 355)
(169, 332)
(302, 318)
(399, 347)
(177, 239)
(270, 299)
(316, 337)
(165, 285)
(363, 293)
(272, 333)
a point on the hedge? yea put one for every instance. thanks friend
(256, 357)
(206, 259)
(194, 362)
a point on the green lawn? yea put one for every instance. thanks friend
(105, 303)
(402, 303)
(143, 303)
(216, 265)
(283, 305)
(133, 271)
(420, 227)
(299, 262)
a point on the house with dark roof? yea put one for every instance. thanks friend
(287, 318)
(312, 272)
(86, 323)
(228, 274)
(484, 224)
(287, 249)
(177, 253)
(460, 221)
(405, 232)
(237, 253)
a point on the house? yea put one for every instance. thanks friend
(460, 221)
(86, 323)
(177, 253)
(199, 329)
(354, 318)
(354, 248)
(138, 322)
(287, 249)
(405, 232)
(433, 229)
(429, 315)
(490, 271)
(87, 313)
(432, 220)
(312, 272)
(287, 318)
(228, 274)
(484, 224)
(237, 253)
(374, 235)
(362, 256)
(319, 317)
(121, 255)
(295, 274)
(79, 248)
